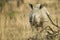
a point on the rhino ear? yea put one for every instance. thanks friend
(31, 6)
(41, 6)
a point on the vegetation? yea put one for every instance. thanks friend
(11, 14)
(2, 4)
(21, 29)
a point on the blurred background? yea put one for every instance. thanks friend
(14, 18)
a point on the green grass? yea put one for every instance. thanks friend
(11, 14)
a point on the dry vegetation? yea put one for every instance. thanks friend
(14, 20)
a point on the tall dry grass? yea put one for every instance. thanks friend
(14, 21)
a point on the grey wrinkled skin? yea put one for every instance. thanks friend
(38, 15)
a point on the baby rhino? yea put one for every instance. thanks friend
(38, 15)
